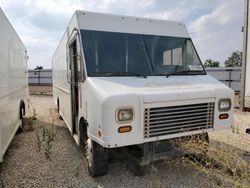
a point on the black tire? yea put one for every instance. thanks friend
(60, 117)
(83, 134)
(21, 125)
(99, 160)
(58, 109)
(57, 104)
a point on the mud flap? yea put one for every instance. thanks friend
(153, 151)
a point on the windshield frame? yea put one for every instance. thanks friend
(202, 71)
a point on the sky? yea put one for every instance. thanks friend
(214, 25)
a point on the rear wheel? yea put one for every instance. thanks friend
(97, 158)
(57, 104)
(58, 109)
(21, 124)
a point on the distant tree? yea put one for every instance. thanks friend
(234, 60)
(211, 63)
(38, 68)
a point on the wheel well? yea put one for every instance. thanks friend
(22, 109)
(57, 102)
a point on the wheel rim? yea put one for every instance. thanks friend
(89, 152)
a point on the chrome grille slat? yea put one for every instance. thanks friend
(177, 108)
(176, 120)
(176, 131)
(160, 121)
(177, 123)
(179, 126)
(187, 111)
(181, 115)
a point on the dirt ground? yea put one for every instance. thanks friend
(40, 90)
(25, 166)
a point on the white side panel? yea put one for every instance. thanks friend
(61, 87)
(13, 82)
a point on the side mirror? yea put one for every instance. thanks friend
(80, 70)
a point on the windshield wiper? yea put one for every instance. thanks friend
(186, 73)
(110, 73)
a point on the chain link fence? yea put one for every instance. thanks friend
(228, 76)
(41, 77)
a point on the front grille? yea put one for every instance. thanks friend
(159, 121)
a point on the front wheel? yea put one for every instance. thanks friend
(97, 158)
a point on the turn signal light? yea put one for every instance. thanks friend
(99, 133)
(124, 129)
(223, 116)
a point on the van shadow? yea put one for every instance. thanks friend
(31, 124)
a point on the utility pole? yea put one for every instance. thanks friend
(244, 56)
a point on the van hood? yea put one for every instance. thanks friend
(159, 88)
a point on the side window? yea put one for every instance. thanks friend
(72, 62)
(190, 53)
(192, 59)
(80, 63)
(177, 56)
(75, 61)
(167, 57)
(172, 57)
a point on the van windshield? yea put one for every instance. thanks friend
(125, 54)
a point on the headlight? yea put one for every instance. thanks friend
(124, 115)
(224, 105)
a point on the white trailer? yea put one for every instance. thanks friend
(126, 81)
(13, 83)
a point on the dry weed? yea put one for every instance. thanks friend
(45, 138)
(220, 162)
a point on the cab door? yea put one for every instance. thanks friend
(75, 76)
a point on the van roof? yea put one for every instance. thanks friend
(128, 24)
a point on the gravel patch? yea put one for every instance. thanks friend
(236, 137)
(25, 166)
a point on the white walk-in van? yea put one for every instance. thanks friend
(13, 83)
(122, 81)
